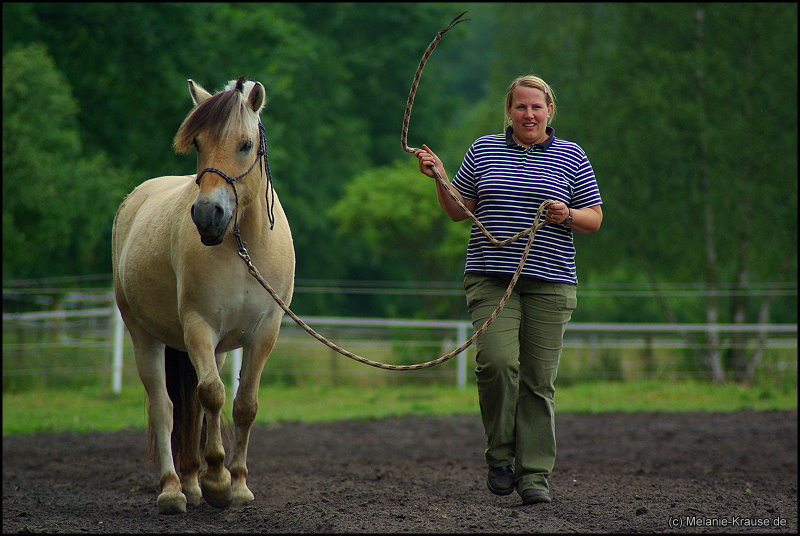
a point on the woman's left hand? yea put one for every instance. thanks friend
(557, 212)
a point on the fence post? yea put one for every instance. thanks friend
(462, 357)
(236, 367)
(116, 363)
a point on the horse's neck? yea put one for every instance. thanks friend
(255, 215)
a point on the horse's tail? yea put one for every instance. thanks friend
(186, 410)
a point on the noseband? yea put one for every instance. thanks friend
(262, 153)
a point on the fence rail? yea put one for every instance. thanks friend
(579, 335)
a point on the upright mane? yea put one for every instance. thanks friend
(225, 112)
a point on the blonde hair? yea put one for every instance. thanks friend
(534, 82)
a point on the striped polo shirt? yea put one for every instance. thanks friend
(510, 182)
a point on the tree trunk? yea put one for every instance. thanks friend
(739, 350)
(750, 367)
(692, 341)
(713, 353)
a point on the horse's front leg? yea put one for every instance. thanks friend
(189, 461)
(245, 407)
(215, 481)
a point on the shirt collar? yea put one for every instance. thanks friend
(551, 135)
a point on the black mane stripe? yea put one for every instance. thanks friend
(240, 84)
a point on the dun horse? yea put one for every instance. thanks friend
(187, 298)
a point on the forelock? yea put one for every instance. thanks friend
(219, 115)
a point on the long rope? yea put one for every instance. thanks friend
(445, 184)
(538, 222)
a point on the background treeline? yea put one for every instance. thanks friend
(688, 113)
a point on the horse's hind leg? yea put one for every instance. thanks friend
(150, 364)
(189, 464)
(187, 422)
(245, 407)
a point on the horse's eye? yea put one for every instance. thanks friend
(246, 146)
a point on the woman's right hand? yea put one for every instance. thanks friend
(428, 161)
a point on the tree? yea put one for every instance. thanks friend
(336, 75)
(57, 202)
(717, 66)
(688, 113)
(654, 94)
(396, 229)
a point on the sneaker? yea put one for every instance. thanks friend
(534, 496)
(501, 480)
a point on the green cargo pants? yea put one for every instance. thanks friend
(517, 362)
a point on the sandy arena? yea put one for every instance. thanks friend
(615, 473)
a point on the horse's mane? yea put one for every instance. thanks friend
(220, 114)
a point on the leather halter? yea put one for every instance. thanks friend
(262, 153)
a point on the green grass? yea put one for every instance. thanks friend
(653, 395)
(90, 410)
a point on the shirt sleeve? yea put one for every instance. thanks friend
(465, 180)
(585, 192)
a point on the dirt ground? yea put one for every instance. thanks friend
(656, 472)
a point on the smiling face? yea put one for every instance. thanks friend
(528, 113)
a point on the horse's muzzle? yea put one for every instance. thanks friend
(212, 220)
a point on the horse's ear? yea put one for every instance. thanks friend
(257, 97)
(199, 95)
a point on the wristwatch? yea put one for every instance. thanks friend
(568, 220)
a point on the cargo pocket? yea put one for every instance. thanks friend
(567, 298)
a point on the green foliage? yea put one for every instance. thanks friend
(58, 203)
(393, 210)
(396, 230)
(688, 113)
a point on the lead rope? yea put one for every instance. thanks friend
(538, 222)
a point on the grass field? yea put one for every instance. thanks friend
(90, 410)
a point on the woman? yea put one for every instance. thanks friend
(503, 180)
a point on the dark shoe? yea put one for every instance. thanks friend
(534, 496)
(501, 480)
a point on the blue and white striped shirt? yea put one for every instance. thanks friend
(510, 182)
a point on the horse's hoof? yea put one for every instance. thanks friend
(217, 492)
(218, 498)
(193, 496)
(171, 503)
(191, 488)
(242, 495)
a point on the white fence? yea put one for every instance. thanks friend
(585, 335)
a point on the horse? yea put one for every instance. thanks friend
(187, 299)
